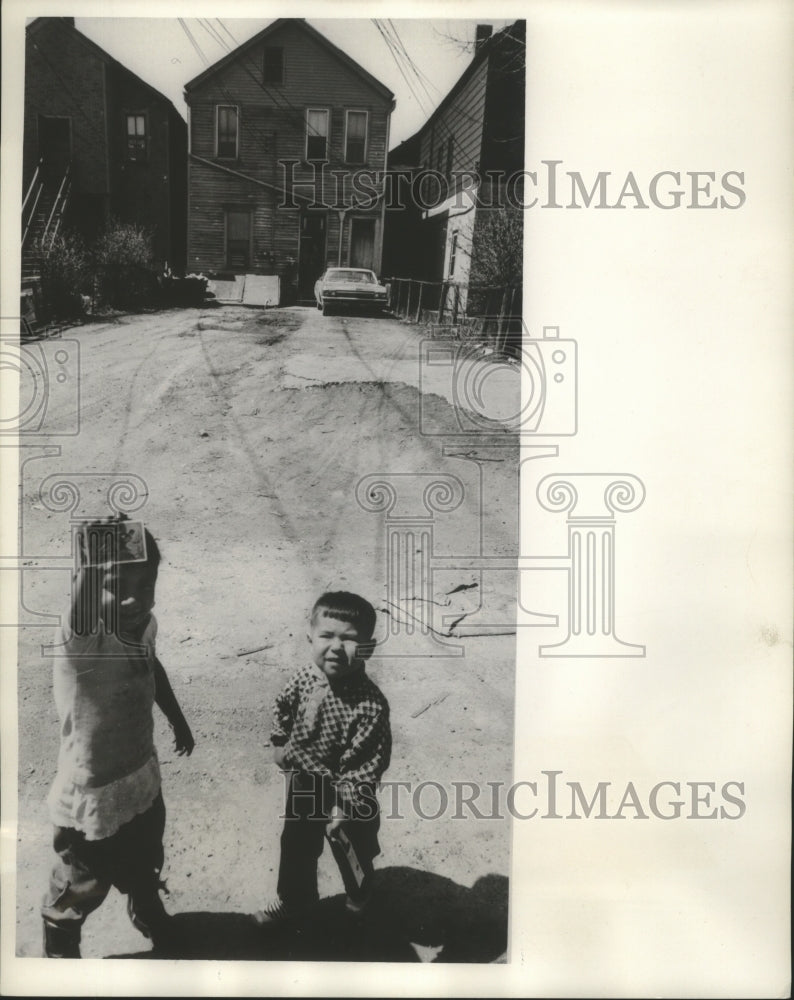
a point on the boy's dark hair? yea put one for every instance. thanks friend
(152, 551)
(346, 607)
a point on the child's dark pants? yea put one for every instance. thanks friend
(131, 860)
(310, 800)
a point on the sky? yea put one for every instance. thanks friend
(168, 52)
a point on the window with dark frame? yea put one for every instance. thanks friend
(356, 137)
(136, 137)
(273, 67)
(316, 134)
(226, 145)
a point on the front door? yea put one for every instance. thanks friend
(362, 243)
(238, 240)
(311, 256)
(55, 147)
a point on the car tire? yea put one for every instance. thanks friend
(326, 308)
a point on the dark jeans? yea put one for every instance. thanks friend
(310, 799)
(131, 860)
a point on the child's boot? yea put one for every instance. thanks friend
(149, 916)
(61, 940)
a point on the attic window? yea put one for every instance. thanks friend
(273, 67)
(136, 137)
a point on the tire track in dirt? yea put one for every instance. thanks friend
(373, 406)
(232, 581)
(244, 449)
(422, 445)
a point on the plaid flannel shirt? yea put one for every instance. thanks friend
(338, 730)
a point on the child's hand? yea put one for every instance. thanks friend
(183, 738)
(337, 819)
(98, 541)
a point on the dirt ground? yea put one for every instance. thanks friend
(251, 432)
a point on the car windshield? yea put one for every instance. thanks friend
(344, 274)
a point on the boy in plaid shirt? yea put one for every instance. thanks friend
(331, 731)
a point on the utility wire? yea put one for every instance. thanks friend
(211, 31)
(193, 41)
(281, 103)
(442, 130)
(421, 76)
(279, 100)
(398, 63)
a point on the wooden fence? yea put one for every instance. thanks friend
(491, 313)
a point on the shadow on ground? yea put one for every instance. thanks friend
(415, 916)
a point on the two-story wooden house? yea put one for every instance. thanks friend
(288, 142)
(99, 143)
(468, 150)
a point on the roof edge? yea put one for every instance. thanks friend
(272, 29)
(67, 24)
(479, 56)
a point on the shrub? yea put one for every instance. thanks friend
(124, 244)
(498, 256)
(65, 274)
(123, 257)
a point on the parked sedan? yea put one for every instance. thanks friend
(349, 286)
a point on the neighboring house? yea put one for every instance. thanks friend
(278, 130)
(474, 141)
(99, 144)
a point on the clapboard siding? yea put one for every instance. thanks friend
(268, 135)
(311, 72)
(462, 120)
(271, 153)
(480, 123)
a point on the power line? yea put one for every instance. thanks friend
(280, 102)
(193, 41)
(443, 130)
(395, 54)
(214, 35)
(263, 137)
(421, 76)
